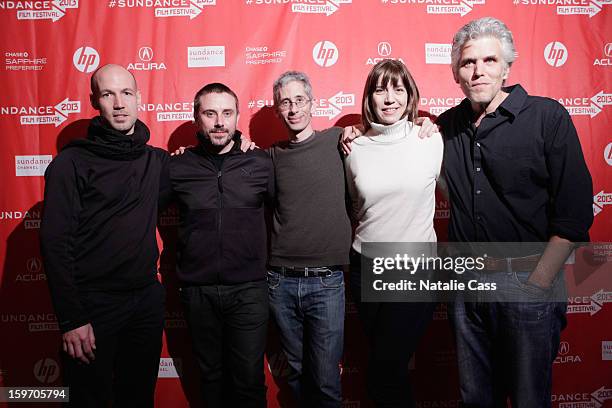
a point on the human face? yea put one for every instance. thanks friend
(298, 120)
(389, 102)
(482, 72)
(217, 118)
(117, 98)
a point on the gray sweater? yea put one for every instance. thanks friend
(311, 226)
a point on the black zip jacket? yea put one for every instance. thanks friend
(99, 218)
(222, 233)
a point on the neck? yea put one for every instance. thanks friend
(219, 149)
(301, 135)
(480, 110)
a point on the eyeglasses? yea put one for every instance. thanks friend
(286, 104)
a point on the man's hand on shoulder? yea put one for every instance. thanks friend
(246, 144)
(428, 128)
(80, 343)
(350, 133)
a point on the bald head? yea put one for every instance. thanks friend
(109, 69)
(114, 93)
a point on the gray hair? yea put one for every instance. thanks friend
(483, 27)
(287, 77)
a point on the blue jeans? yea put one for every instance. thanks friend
(309, 313)
(507, 341)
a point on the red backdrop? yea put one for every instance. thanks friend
(173, 47)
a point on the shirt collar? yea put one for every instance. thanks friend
(512, 104)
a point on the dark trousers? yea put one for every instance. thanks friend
(393, 330)
(128, 330)
(229, 325)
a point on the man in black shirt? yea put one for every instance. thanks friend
(221, 263)
(515, 173)
(100, 251)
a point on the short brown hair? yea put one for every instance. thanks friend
(390, 71)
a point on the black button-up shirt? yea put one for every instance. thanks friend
(520, 176)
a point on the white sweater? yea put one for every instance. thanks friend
(391, 177)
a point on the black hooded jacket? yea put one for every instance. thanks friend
(99, 218)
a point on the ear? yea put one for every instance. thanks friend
(506, 73)
(138, 97)
(94, 102)
(455, 77)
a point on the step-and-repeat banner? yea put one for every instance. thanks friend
(173, 47)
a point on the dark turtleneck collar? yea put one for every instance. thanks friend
(104, 141)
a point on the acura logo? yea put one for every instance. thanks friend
(34, 265)
(564, 348)
(145, 54)
(384, 49)
(608, 50)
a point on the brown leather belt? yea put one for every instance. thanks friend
(526, 263)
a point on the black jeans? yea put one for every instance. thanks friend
(229, 325)
(128, 327)
(393, 330)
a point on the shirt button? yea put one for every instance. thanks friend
(478, 192)
(478, 169)
(478, 217)
(478, 144)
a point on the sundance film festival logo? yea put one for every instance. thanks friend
(461, 7)
(31, 219)
(568, 7)
(327, 7)
(43, 115)
(607, 52)
(40, 9)
(332, 106)
(32, 165)
(325, 53)
(384, 52)
(595, 399)
(555, 54)
(442, 210)
(437, 105)
(46, 370)
(169, 112)
(166, 8)
(86, 59)
(589, 304)
(145, 54)
(586, 106)
(600, 200)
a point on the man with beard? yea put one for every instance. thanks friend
(221, 263)
(100, 251)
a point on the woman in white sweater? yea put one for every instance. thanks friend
(391, 177)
